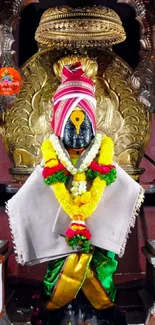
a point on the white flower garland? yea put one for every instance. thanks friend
(87, 160)
(78, 188)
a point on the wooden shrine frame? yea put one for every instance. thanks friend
(2, 298)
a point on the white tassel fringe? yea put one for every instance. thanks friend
(135, 213)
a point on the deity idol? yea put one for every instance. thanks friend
(77, 207)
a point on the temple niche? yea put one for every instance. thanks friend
(76, 103)
(119, 112)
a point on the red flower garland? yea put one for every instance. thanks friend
(78, 235)
(49, 171)
(70, 233)
(102, 169)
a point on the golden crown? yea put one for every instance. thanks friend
(80, 27)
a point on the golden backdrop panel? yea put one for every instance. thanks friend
(119, 114)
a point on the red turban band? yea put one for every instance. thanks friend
(75, 90)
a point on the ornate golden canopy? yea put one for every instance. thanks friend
(66, 27)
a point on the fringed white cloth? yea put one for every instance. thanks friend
(38, 223)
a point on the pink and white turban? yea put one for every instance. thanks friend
(75, 90)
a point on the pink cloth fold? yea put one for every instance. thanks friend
(75, 90)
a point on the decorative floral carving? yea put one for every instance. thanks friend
(143, 78)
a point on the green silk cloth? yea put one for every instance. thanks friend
(52, 274)
(103, 264)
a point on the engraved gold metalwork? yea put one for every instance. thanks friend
(119, 114)
(65, 27)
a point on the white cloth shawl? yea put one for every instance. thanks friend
(38, 223)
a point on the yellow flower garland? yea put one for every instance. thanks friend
(85, 210)
(106, 151)
(49, 154)
(84, 205)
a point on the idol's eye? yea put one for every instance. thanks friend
(86, 124)
(83, 127)
(72, 126)
(69, 125)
